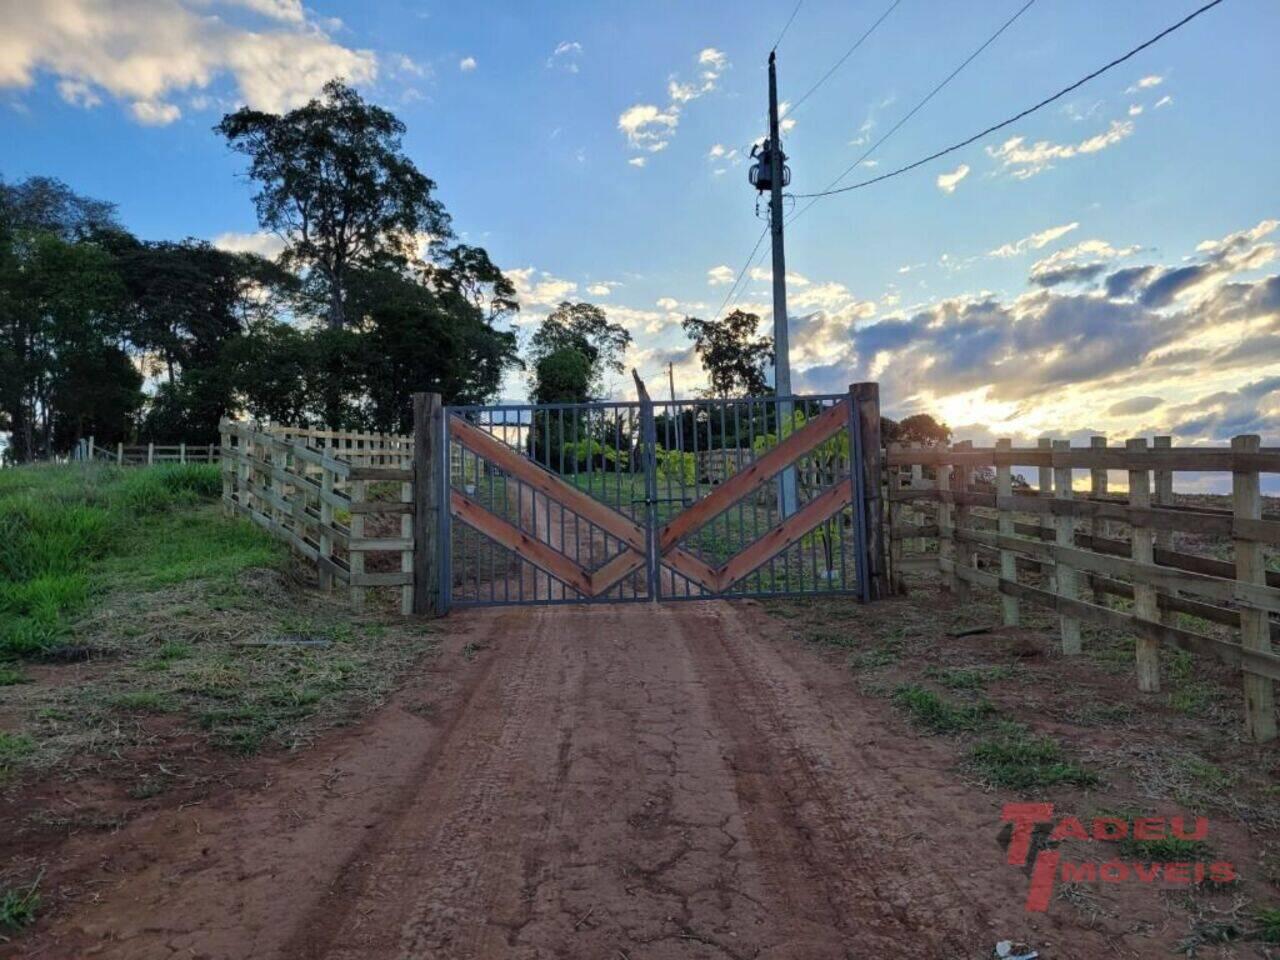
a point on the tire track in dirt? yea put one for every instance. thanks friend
(646, 781)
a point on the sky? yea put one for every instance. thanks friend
(1107, 265)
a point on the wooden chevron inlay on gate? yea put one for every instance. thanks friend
(714, 579)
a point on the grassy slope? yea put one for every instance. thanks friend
(184, 612)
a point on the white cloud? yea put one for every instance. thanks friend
(649, 127)
(467, 64)
(668, 303)
(718, 276)
(1024, 161)
(1033, 242)
(538, 288)
(1081, 262)
(154, 113)
(947, 182)
(1164, 101)
(1146, 83)
(638, 161)
(1135, 110)
(78, 93)
(288, 11)
(565, 56)
(602, 288)
(260, 242)
(144, 51)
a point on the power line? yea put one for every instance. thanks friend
(914, 110)
(847, 54)
(799, 4)
(741, 273)
(814, 197)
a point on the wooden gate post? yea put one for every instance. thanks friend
(867, 396)
(428, 434)
(1255, 630)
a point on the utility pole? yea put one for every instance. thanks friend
(787, 501)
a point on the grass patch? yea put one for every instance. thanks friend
(10, 675)
(1268, 922)
(1019, 760)
(937, 714)
(143, 701)
(968, 678)
(14, 747)
(70, 532)
(18, 907)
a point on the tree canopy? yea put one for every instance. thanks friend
(584, 328)
(335, 184)
(735, 359)
(103, 333)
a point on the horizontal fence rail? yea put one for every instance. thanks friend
(319, 494)
(1130, 560)
(146, 454)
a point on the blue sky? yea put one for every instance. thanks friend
(532, 120)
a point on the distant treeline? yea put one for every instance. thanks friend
(104, 334)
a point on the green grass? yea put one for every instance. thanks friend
(10, 675)
(1019, 760)
(968, 678)
(142, 701)
(67, 533)
(13, 748)
(937, 714)
(1268, 925)
(18, 906)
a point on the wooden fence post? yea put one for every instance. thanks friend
(1162, 495)
(868, 397)
(1255, 632)
(428, 487)
(1145, 605)
(966, 556)
(355, 552)
(946, 522)
(1004, 526)
(119, 453)
(151, 452)
(1044, 484)
(324, 538)
(1097, 490)
(1065, 536)
(918, 515)
(225, 437)
(182, 452)
(896, 514)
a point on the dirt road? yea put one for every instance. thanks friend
(627, 781)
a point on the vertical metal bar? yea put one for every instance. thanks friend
(859, 500)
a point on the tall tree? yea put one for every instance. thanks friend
(335, 184)
(733, 356)
(414, 337)
(187, 303)
(63, 369)
(583, 327)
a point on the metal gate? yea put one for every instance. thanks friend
(685, 499)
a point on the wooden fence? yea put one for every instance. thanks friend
(345, 502)
(146, 454)
(1120, 562)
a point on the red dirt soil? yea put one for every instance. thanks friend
(626, 781)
